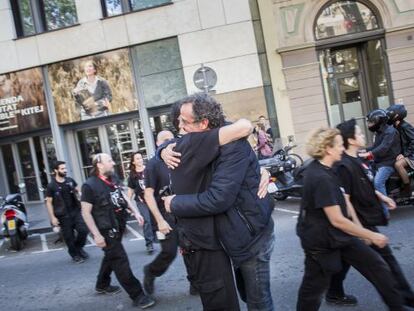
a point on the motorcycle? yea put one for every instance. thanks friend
(393, 187)
(285, 177)
(284, 153)
(14, 219)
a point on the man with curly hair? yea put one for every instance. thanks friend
(214, 184)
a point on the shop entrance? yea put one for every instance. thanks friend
(119, 140)
(353, 62)
(29, 161)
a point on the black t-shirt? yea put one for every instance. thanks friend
(136, 181)
(193, 175)
(66, 190)
(321, 189)
(96, 192)
(356, 179)
(157, 177)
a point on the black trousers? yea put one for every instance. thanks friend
(115, 259)
(167, 255)
(74, 232)
(211, 273)
(364, 259)
(336, 285)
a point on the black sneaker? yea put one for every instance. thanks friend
(345, 300)
(143, 301)
(148, 281)
(83, 254)
(78, 259)
(111, 289)
(150, 249)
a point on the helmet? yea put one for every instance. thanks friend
(376, 119)
(396, 113)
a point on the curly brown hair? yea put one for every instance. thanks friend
(320, 140)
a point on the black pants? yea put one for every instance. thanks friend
(336, 286)
(167, 255)
(364, 259)
(74, 232)
(115, 259)
(211, 273)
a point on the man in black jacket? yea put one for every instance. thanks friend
(64, 211)
(361, 196)
(242, 219)
(396, 115)
(384, 151)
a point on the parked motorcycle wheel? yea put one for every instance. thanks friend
(16, 242)
(279, 196)
(297, 158)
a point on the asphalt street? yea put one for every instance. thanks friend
(42, 276)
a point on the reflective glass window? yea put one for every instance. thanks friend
(344, 17)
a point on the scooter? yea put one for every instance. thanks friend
(14, 219)
(285, 177)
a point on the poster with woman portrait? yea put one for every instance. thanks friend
(92, 87)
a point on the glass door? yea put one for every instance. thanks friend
(89, 145)
(28, 166)
(10, 167)
(354, 82)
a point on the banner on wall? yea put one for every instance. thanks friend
(92, 87)
(22, 102)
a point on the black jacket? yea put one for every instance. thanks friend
(406, 131)
(241, 218)
(386, 146)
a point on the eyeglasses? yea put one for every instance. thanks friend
(185, 122)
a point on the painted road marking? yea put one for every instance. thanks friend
(45, 249)
(286, 211)
(135, 233)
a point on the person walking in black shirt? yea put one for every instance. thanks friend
(157, 182)
(136, 187)
(64, 211)
(327, 234)
(104, 209)
(360, 193)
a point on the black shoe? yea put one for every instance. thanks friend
(143, 301)
(150, 249)
(193, 291)
(345, 300)
(78, 259)
(111, 289)
(83, 254)
(148, 281)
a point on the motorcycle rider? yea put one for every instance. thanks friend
(385, 150)
(64, 210)
(396, 115)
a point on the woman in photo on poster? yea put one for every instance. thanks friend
(92, 93)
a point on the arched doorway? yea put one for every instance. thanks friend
(351, 49)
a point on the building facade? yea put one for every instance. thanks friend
(333, 60)
(79, 77)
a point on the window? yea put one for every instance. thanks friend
(160, 72)
(344, 17)
(37, 16)
(117, 7)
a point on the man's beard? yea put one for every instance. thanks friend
(62, 174)
(109, 173)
